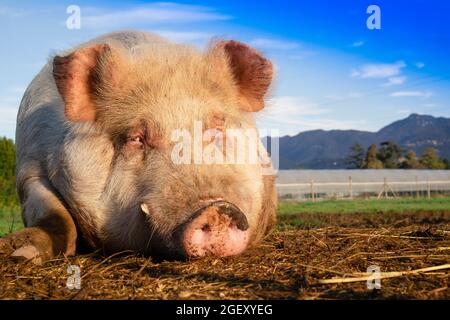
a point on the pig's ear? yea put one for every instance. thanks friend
(251, 71)
(76, 77)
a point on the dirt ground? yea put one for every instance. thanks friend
(290, 264)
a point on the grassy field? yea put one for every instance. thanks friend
(366, 206)
(354, 212)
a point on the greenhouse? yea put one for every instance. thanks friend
(320, 184)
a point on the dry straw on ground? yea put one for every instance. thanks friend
(412, 251)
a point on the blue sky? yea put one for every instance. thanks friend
(332, 71)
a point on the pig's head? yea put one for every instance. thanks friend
(132, 172)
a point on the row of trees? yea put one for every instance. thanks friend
(392, 156)
(7, 173)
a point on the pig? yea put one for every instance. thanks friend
(94, 151)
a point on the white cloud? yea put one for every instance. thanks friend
(357, 44)
(267, 43)
(378, 71)
(404, 111)
(288, 106)
(291, 115)
(393, 81)
(151, 14)
(420, 65)
(294, 126)
(331, 124)
(429, 105)
(421, 94)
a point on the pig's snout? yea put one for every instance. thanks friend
(219, 229)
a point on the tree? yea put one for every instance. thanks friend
(390, 154)
(7, 172)
(7, 158)
(355, 159)
(411, 161)
(447, 163)
(430, 159)
(371, 161)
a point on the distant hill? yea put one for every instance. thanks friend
(320, 149)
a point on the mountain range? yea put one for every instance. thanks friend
(320, 149)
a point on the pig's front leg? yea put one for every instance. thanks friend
(50, 229)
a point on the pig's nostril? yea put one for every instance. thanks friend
(206, 227)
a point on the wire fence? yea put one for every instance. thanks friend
(348, 184)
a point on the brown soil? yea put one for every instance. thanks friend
(288, 265)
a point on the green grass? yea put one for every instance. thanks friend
(10, 219)
(359, 211)
(365, 206)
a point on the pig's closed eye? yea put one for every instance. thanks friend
(140, 138)
(136, 141)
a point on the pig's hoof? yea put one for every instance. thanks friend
(27, 253)
(29, 244)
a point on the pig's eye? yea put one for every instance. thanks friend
(136, 141)
(140, 137)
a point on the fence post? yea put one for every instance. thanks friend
(417, 187)
(350, 186)
(313, 196)
(428, 188)
(385, 188)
